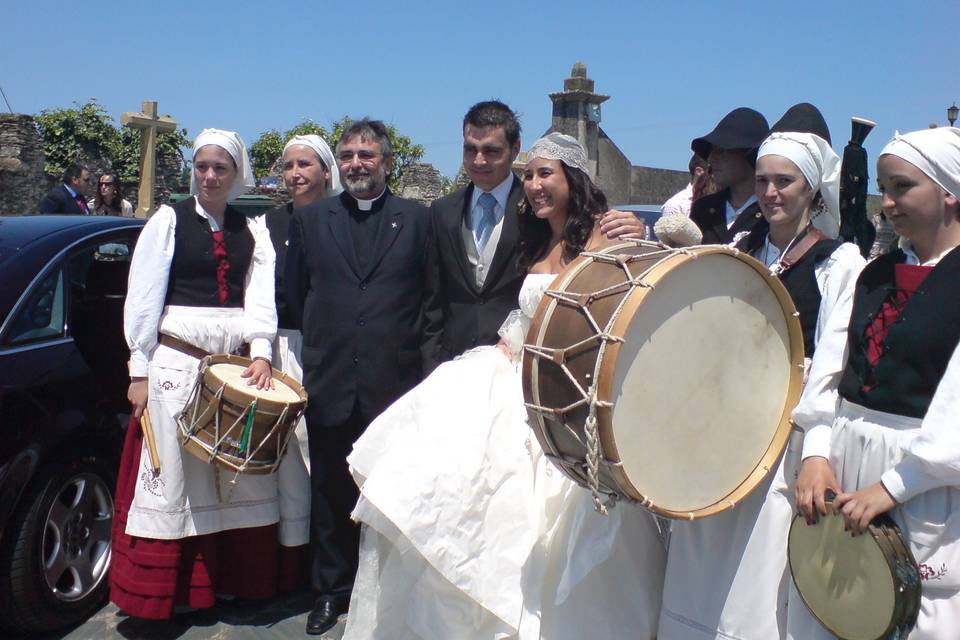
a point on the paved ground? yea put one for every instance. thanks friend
(283, 617)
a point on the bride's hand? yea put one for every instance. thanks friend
(505, 350)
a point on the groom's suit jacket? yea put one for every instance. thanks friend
(471, 315)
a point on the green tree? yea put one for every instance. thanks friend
(126, 158)
(85, 133)
(266, 151)
(405, 152)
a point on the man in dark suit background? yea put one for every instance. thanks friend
(71, 195)
(731, 153)
(473, 268)
(356, 280)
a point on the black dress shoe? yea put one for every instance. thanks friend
(323, 617)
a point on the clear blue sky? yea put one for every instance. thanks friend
(672, 69)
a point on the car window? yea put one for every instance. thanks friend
(42, 317)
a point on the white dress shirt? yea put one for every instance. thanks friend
(733, 213)
(150, 272)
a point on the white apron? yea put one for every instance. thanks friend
(293, 476)
(727, 574)
(184, 499)
(866, 443)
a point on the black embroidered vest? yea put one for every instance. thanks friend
(918, 345)
(801, 281)
(193, 271)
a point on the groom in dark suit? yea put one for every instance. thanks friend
(356, 279)
(474, 278)
(474, 263)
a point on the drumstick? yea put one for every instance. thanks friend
(146, 425)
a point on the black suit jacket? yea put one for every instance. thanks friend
(59, 200)
(710, 215)
(471, 315)
(364, 331)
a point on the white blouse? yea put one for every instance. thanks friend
(150, 272)
(836, 279)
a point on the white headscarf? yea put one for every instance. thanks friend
(936, 152)
(820, 166)
(232, 143)
(559, 146)
(322, 149)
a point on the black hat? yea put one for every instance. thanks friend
(803, 118)
(742, 128)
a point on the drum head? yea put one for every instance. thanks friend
(846, 582)
(229, 374)
(701, 383)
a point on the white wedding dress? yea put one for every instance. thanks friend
(469, 532)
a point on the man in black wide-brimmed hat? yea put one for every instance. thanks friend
(731, 152)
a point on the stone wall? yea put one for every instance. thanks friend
(22, 180)
(655, 186)
(421, 182)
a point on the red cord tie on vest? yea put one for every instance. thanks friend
(223, 266)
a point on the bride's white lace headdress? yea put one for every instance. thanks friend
(559, 146)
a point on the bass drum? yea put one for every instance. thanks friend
(664, 376)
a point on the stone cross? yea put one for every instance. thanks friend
(149, 125)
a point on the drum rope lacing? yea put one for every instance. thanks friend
(214, 450)
(593, 446)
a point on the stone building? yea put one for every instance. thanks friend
(422, 182)
(22, 179)
(577, 112)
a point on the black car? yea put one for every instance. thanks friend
(63, 381)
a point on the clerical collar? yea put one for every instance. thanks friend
(367, 205)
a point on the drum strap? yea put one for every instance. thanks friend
(810, 237)
(194, 351)
(182, 346)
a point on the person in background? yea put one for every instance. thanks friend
(679, 203)
(309, 174)
(109, 200)
(70, 196)
(731, 151)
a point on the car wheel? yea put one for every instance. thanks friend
(53, 567)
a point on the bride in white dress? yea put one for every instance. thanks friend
(469, 532)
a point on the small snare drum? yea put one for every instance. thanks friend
(237, 426)
(860, 588)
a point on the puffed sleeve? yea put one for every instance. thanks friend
(259, 304)
(814, 414)
(147, 287)
(932, 457)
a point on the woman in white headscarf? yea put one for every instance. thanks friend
(727, 574)
(309, 174)
(882, 431)
(469, 532)
(201, 281)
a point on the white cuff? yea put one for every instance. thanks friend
(261, 348)
(816, 442)
(908, 479)
(139, 365)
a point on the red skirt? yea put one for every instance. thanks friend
(148, 578)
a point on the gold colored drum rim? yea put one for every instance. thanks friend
(885, 533)
(635, 297)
